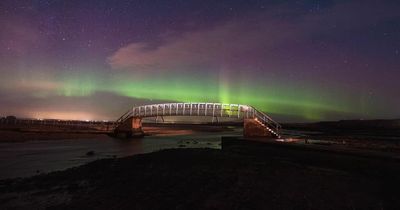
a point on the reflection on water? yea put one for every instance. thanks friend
(29, 158)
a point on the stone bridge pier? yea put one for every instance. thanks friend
(130, 127)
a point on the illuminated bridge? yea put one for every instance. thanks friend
(256, 123)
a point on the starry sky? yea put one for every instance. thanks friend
(304, 60)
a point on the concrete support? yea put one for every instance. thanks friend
(131, 127)
(253, 128)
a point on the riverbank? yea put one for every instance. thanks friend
(21, 136)
(238, 177)
(52, 133)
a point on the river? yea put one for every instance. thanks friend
(22, 159)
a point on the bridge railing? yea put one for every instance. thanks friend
(200, 109)
(190, 109)
(122, 119)
(265, 119)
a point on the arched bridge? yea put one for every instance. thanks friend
(256, 123)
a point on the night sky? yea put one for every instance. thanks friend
(296, 60)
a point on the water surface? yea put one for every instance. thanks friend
(28, 158)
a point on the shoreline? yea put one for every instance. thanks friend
(33, 134)
(248, 175)
(18, 136)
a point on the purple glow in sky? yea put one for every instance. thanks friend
(296, 60)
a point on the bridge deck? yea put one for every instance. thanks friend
(238, 111)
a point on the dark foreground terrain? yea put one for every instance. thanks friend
(249, 176)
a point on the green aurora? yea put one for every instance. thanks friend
(295, 63)
(306, 103)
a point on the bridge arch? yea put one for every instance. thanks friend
(261, 123)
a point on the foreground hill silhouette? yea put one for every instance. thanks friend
(237, 177)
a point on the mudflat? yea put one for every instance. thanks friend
(20, 136)
(246, 176)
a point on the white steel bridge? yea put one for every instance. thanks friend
(216, 110)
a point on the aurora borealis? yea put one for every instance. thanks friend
(305, 60)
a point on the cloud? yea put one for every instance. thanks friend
(223, 43)
(298, 49)
(256, 39)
